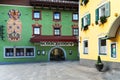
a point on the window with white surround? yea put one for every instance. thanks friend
(102, 46)
(19, 52)
(103, 10)
(113, 50)
(85, 21)
(85, 46)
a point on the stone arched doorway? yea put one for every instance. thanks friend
(57, 54)
(114, 28)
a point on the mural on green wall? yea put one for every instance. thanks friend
(14, 25)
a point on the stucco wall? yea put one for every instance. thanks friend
(26, 34)
(94, 32)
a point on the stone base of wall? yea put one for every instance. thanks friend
(107, 65)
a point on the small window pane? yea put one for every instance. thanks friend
(56, 15)
(85, 21)
(102, 11)
(85, 47)
(9, 52)
(29, 52)
(57, 31)
(36, 15)
(113, 50)
(102, 46)
(19, 51)
(103, 42)
(75, 16)
(36, 30)
(75, 32)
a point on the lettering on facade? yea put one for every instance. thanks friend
(56, 44)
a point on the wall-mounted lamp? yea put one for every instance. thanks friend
(38, 52)
(70, 52)
(43, 52)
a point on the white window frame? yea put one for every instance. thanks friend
(102, 11)
(36, 30)
(75, 31)
(85, 48)
(111, 50)
(102, 48)
(106, 6)
(75, 17)
(57, 32)
(36, 14)
(85, 20)
(56, 16)
(14, 52)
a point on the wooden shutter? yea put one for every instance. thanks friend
(96, 14)
(88, 19)
(82, 23)
(107, 9)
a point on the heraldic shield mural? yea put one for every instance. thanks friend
(14, 25)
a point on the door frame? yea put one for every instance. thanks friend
(55, 48)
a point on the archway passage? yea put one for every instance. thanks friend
(113, 28)
(57, 54)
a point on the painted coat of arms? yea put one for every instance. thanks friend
(14, 25)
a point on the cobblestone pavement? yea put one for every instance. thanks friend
(69, 70)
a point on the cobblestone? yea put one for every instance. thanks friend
(69, 70)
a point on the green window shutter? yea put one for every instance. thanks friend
(82, 23)
(96, 14)
(88, 19)
(107, 9)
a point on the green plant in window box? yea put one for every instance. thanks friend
(99, 65)
(86, 27)
(96, 22)
(84, 2)
(103, 19)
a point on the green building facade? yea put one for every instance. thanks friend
(29, 34)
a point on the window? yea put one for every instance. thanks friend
(102, 11)
(102, 46)
(85, 44)
(75, 31)
(29, 51)
(36, 29)
(56, 16)
(57, 31)
(113, 50)
(9, 52)
(36, 15)
(86, 21)
(75, 17)
(19, 52)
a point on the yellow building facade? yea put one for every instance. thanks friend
(99, 31)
